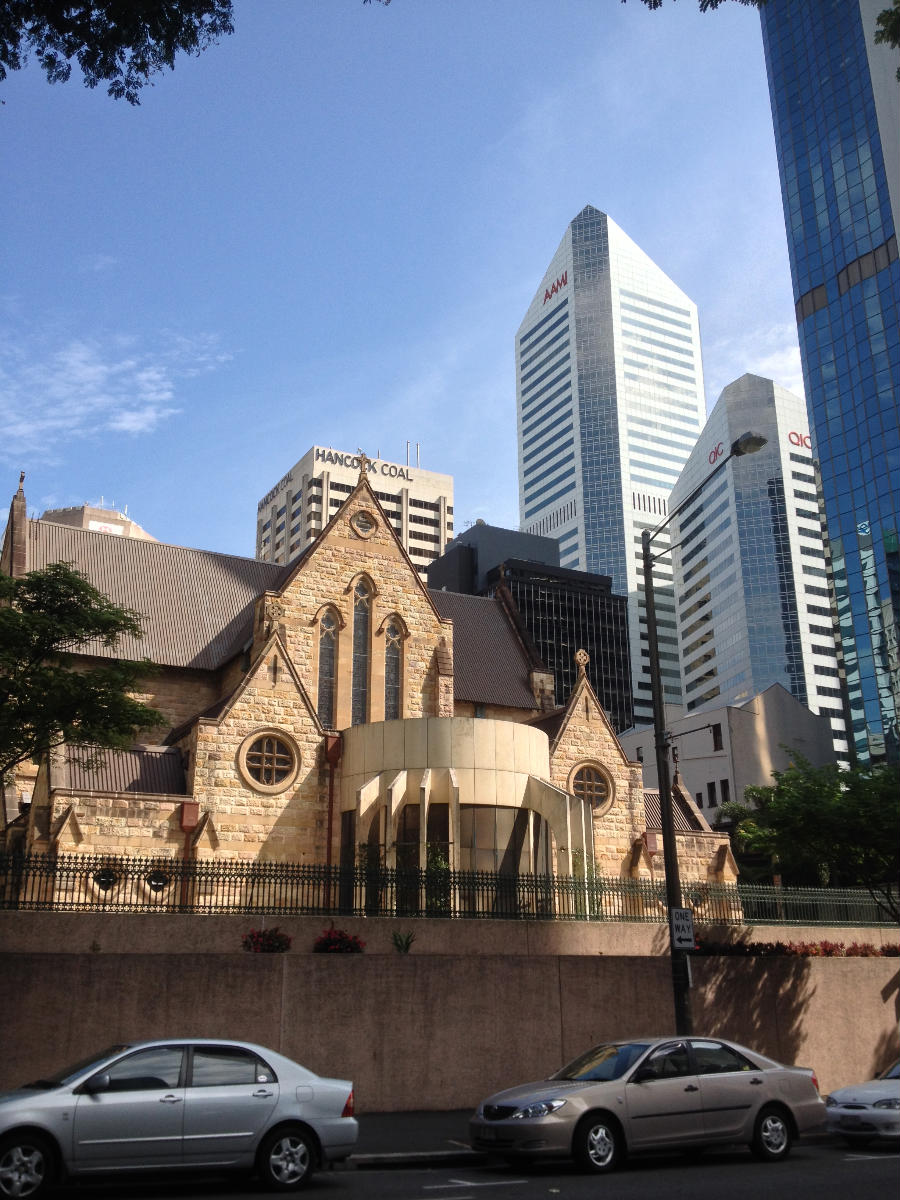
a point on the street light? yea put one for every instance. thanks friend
(747, 443)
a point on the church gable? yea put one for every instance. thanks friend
(358, 621)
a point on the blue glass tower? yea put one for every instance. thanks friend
(834, 101)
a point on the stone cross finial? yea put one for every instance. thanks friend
(582, 658)
(364, 463)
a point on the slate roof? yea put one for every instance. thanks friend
(198, 604)
(157, 770)
(685, 820)
(490, 664)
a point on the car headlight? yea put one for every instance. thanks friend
(542, 1109)
(891, 1102)
(830, 1102)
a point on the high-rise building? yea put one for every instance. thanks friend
(294, 512)
(836, 111)
(560, 611)
(609, 387)
(751, 582)
(97, 519)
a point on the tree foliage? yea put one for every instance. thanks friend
(45, 699)
(827, 826)
(119, 42)
(887, 30)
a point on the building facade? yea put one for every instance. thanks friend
(97, 519)
(419, 505)
(730, 747)
(560, 611)
(609, 387)
(751, 579)
(334, 711)
(836, 111)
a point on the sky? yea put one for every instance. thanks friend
(327, 228)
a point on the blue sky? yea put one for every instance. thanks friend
(327, 229)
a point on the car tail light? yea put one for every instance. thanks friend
(348, 1107)
(815, 1080)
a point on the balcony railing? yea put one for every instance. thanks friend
(87, 883)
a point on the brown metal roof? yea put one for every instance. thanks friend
(156, 770)
(197, 604)
(490, 665)
(685, 820)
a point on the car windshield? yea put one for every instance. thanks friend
(893, 1071)
(603, 1063)
(58, 1078)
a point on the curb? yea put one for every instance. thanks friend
(413, 1158)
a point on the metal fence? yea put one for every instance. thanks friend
(87, 883)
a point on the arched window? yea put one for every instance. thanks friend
(591, 784)
(327, 658)
(359, 701)
(393, 662)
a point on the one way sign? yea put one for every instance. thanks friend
(682, 925)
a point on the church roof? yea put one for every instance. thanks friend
(685, 818)
(490, 664)
(198, 603)
(153, 770)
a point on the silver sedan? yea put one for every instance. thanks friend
(648, 1094)
(865, 1112)
(175, 1104)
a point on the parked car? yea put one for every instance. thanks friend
(179, 1103)
(865, 1112)
(648, 1094)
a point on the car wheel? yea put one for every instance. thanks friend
(286, 1160)
(772, 1135)
(597, 1143)
(27, 1166)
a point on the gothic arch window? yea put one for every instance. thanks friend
(328, 635)
(589, 782)
(393, 669)
(362, 621)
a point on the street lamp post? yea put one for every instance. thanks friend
(748, 443)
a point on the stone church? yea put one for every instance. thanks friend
(336, 708)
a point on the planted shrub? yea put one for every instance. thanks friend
(338, 941)
(266, 941)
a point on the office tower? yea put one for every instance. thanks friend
(836, 112)
(561, 611)
(293, 513)
(609, 387)
(751, 581)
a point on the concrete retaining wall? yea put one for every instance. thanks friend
(426, 1030)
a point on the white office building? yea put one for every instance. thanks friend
(609, 387)
(294, 512)
(751, 580)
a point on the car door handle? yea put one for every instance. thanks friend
(755, 1082)
(692, 1087)
(261, 1094)
(170, 1099)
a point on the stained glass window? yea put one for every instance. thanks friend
(359, 707)
(393, 650)
(327, 656)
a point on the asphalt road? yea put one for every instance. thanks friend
(815, 1171)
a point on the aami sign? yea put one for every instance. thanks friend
(556, 286)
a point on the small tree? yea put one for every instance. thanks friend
(45, 698)
(824, 826)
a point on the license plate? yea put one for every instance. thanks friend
(849, 1122)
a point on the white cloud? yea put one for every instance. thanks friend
(55, 389)
(771, 352)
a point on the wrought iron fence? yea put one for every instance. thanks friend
(88, 883)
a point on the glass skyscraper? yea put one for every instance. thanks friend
(750, 572)
(836, 111)
(609, 388)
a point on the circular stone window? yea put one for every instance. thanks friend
(594, 786)
(269, 761)
(363, 523)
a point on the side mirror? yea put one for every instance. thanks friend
(96, 1084)
(642, 1074)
